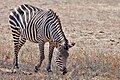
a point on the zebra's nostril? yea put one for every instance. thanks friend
(64, 72)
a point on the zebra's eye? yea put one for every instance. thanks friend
(66, 47)
(60, 55)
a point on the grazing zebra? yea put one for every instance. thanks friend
(39, 26)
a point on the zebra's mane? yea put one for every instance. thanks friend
(51, 11)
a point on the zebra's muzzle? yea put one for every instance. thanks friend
(64, 71)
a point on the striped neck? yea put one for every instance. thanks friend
(58, 37)
(56, 32)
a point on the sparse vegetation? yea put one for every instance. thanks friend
(93, 24)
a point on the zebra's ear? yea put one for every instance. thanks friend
(51, 10)
(71, 45)
(65, 46)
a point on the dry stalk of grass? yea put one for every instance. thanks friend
(107, 66)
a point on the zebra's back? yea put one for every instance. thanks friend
(35, 24)
(35, 27)
(21, 15)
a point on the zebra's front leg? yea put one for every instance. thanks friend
(41, 57)
(51, 48)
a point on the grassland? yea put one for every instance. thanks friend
(94, 25)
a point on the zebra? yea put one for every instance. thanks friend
(28, 22)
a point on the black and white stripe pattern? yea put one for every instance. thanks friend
(38, 26)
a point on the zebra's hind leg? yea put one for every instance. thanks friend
(15, 60)
(16, 35)
(18, 43)
(17, 46)
(51, 48)
(41, 58)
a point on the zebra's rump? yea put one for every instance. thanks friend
(21, 15)
(19, 19)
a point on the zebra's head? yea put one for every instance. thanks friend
(62, 55)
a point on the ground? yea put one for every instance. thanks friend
(94, 25)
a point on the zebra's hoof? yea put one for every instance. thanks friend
(49, 70)
(13, 71)
(36, 69)
(14, 68)
(17, 67)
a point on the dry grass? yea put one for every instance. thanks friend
(80, 66)
(93, 66)
(93, 24)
